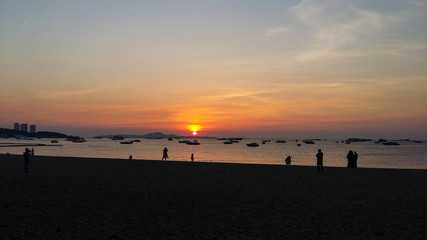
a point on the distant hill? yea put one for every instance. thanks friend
(155, 135)
(10, 133)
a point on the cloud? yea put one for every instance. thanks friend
(71, 94)
(272, 32)
(340, 28)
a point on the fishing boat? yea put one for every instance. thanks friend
(307, 141)
(195, 142)
(391, 143)
(254, 144)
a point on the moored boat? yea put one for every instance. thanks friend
(195, 142)
(391, 143)
(254, 144)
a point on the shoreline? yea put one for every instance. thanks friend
(97, 198)
(198, 162)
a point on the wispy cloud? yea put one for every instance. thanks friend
(340, 28)
(272, 32)
(73, 93)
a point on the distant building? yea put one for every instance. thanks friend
(33, 128)
(17, 126)
(24, 127)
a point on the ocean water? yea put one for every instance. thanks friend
(408, 155)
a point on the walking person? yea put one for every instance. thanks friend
(27, 155)
(165, 154)
(319, 157)
(192, 157)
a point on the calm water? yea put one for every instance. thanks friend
(371, 155)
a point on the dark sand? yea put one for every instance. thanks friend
(76, 198)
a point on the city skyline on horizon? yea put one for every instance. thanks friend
(299, 68)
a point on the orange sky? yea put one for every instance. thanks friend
(309, 68)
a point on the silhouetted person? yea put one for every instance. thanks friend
(355, 159)
(350, 159)
(192, 157)
(288, 160)
(319, 157)
(27, 155)
(32, 152)
(165, 154)
(130, 157)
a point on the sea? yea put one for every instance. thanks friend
(407, 155)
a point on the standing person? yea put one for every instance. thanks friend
(288, 160)
(350, 159)
(192, 157)
(355, 159)
(27, 155)
(32, 152)
(319, 157)
(165, 154)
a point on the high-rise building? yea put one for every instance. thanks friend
(33, 128)
(24, 127)
(17, 126)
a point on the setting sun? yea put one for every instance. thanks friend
(194, 133)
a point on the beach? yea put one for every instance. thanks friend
(94, 198)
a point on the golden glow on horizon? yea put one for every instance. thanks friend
(194, 128)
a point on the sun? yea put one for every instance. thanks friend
(194, 133)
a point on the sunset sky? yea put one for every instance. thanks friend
(309, 68)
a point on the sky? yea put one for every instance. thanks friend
(285, 69)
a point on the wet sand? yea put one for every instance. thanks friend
(86, 198)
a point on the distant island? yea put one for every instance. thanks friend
(11, 133)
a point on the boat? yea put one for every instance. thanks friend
(184, 141)
(75, 139)
(391, 143)
(308, 141)
(54, 141)
(78, 140)
(136, 140)
(194, 142)
(381, 140)
(280, 141)
(254, 144)
(299, 145)
(228, 142)
(126, 142)
(170, 139)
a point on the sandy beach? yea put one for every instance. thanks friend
(86, 198)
